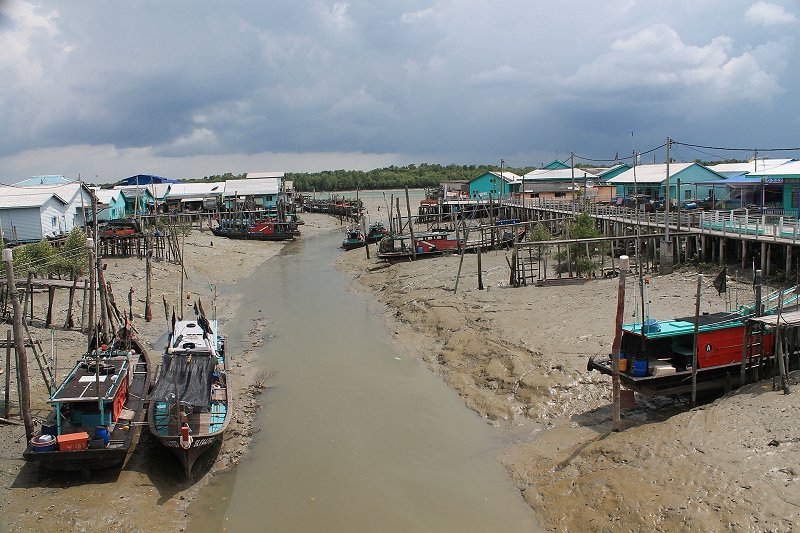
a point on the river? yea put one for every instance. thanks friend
(354, 436)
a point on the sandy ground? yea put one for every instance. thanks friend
(149, 492)
(517, 356)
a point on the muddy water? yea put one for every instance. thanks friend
(354, 437)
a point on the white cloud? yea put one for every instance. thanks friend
(657, 58)
(413, 17)
(768, 14)
(337, 16)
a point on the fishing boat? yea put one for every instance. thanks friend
(354, 238)
(191, 403)
(658, 354)
(96, 409)
(425, 244)
(376, 232)
(263, 229)
(440, 242)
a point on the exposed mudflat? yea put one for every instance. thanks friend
(517, 356)
(149, 493)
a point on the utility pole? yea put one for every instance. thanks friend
(19, 346)
(666, 245)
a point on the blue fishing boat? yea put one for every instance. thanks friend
(191, 403)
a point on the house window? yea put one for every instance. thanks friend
(795, 194)
(687, 195)
(53, 221)
(560, 194)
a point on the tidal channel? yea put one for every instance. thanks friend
(354, 436)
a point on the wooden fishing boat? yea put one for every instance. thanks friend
(659, 354)
(440, 242)
(354, 238)
(376, 232)
(191, 404)
(266, 229)
(96, 410)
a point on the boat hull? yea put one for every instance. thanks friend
(122, 438)
(254, 236)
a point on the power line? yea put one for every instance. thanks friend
(736, 149)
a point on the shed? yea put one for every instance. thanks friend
(495, 183)
(110, 204)
(787, 177)
(650, 180)
(32, 213)
(263, 192)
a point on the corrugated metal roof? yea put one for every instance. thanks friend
(656, 173)
(557, 174)
(252, 186)
(791, 168)
(195, 190)
(749, 167)
(35, 196)
(258, 175)
(13, 197)
(43, 180)
(106, 195)
(505, 175)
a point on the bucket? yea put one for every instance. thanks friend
(43, 443)
(102, 432)
(420, 249)
(640, 368)
(623, 365)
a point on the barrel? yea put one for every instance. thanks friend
(640, 368)
(102, 432)
(43, 443)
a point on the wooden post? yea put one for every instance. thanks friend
(51, 295)
(461, 249)
(694, 348)
(8, 374)
(19, 347)
(411, 227)
(617, 343)
(69, 323)
(480, 271)
(92, 291)
(28, 296)
(101, 286)
(364, 229)
(83, 305)
(779, 348)
(148, 310)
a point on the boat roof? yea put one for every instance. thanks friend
(188, 336)
(82, 384)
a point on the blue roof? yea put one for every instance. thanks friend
(145, 179)
(43, 180)
(741, 180)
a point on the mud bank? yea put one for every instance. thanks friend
(517, 357)
(149, 492)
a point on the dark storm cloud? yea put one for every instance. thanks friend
(443, 79)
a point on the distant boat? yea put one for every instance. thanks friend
(191, 403)
(266, 229)
(440, 242)
(354, 238)
(376, 232)
(96, 409)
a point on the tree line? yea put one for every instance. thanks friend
(391, 177)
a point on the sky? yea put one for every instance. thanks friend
(186, 89)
